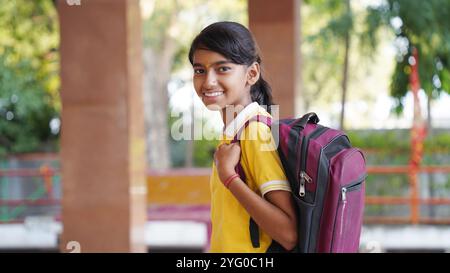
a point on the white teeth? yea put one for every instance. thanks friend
(213, 94)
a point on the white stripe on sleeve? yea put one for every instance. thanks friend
(274, 185)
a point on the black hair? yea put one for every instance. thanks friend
(236, 43)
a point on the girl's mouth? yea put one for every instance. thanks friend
(212, 94)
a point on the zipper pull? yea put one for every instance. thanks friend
(303, 177)
(344, 194)
(301, 191)
(306, 177)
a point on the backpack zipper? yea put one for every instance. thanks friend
(344, 194)
(344, 204)
(348, 188)
(351, 187)
(303, 176)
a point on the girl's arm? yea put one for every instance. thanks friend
(275, 214)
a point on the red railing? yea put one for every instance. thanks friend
(42, 196)
(413, 200)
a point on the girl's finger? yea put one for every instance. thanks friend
(220, 146)
(217, 149)
(235, 146)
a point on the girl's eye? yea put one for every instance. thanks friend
(199, 71)
(224, 68)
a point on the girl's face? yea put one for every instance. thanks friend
(219, 82)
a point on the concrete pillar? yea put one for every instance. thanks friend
(102, 141)
(276, 27)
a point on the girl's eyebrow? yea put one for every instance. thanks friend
(216, 63)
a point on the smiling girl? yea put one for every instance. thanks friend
(227, 78)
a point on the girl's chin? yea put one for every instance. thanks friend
(213, 106)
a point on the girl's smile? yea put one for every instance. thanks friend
(209, 97)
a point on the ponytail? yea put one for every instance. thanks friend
(261, 92)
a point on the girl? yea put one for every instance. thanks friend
(227, 75)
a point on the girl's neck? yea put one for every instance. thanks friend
(233, 111)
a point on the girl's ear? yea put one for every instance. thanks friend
(253, 73)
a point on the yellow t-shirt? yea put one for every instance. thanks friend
(264, 173)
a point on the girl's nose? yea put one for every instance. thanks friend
(211, 80)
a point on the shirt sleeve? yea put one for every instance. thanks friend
(260, 153)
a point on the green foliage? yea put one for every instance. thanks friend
(438, 143)
(421, 24)
(398, 185)
(399, 82)
(29, 83)
(340, 20)
(204, 152)
(380, 140)
(398, 141)
(393, 147)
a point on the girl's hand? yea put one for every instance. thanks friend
(226, 158)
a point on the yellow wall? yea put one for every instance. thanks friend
(179, 187)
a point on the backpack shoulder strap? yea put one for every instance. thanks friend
(258, 118)
(253, 227)
(307, 118)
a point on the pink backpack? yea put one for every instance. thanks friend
(327, 176)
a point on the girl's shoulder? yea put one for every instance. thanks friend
(259, 122)
(255, 136)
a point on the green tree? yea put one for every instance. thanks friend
(29, 82)
(408, 23)
(330, 46)
(424, 25)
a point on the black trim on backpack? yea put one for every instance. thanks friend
(254, 233)
(322, 188)
(336, 145)
(304, 152)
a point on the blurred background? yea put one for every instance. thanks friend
(378, 69)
